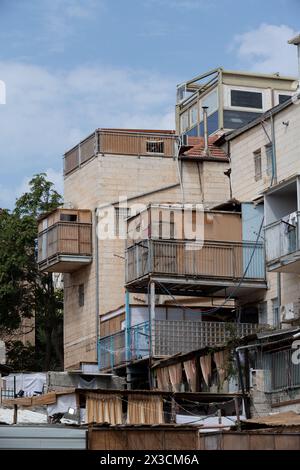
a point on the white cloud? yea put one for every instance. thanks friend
(9, 194)
(47, 112)
(265, 49)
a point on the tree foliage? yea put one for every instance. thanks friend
(24, 291)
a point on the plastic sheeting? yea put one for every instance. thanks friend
(31, 384)
(62, 405)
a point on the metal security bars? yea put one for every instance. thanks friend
(182, 258)
(167, 337)
(280, 372)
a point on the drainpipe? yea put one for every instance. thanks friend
(97, 285)
(274, 163)
(274, 181)
(127, 337)
(205, 128)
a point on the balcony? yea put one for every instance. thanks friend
(166, 337)
(283, 244)
(63, 245)
(119, 142)
(187, 268)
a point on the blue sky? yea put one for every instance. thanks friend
(71, 66)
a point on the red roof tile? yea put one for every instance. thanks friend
(197, 150)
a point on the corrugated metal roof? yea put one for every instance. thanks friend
(289, 418)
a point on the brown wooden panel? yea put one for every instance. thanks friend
(287, 442)
(235, 442)
(145, 440)
(261, 442)
(181, 440)
(106, 439)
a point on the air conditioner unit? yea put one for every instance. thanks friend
(290, 311)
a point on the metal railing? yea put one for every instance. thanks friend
(280, 373)
(67, 238)
(167, 337)
(120, 143)
(182, 258)
(126, 345)
(282, 238)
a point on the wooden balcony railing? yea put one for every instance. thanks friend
(65, 238)
(119, 143)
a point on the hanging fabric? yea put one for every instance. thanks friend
(175, 374)
(145, 409)
(190, 372)
(205, 364)
(163, 381)
(220, 359)
(102, 408)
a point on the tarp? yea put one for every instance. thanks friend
(62, 405)
(30, 383)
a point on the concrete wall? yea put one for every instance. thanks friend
(101, 181)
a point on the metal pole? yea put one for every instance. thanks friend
(97, 288)
(128, 338)
(237, 412)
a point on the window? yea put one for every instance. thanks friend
(68, 217)
(283, 98)
(193, 116)
(263, 313)
(275, 312)
(269, 155)
(121, 214)
(81, 295)
(184, 121)
(246, 99)
(257, 165)
(154, 146)
(211, 101)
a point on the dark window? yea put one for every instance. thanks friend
(283, 98)
(154, 147)
(81, 295)
(68, 217)
(246, 99)
(257, 165)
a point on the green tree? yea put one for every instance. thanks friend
(24, 291)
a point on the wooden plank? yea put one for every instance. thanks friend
(26, 401)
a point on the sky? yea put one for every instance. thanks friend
(71, 66)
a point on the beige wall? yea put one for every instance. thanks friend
(100, 181)
(245, 188)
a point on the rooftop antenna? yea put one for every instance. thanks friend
(296, 42)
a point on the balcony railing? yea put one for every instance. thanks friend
(167, 337)
(282, 238)
(227, 260)
(119, 143)
(65, 238)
